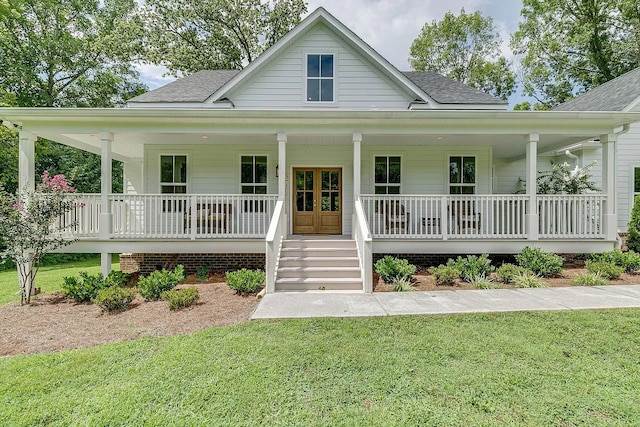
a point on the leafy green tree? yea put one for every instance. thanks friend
(66, 53)
(633, 230)
(465, 48)
(571, 46)
(187, 36)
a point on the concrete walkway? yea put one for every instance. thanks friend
(325, 304)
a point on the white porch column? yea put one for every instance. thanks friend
(357, 164)
(608, 142)
(531, 141)
(26, 161)
(282, 165)
(106, 218)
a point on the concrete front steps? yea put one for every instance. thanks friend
(319, 265)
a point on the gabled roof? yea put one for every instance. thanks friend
(448, 91)
(193, 88)
(429, 88)
(619, 94)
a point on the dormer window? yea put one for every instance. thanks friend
(320, 78)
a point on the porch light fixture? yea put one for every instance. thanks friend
(277, 176)
(440, 138)
(204, 137)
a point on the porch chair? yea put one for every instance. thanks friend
(395, 216)
(211, 218)
(465, 216)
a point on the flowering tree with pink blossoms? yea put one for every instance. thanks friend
(32, 223)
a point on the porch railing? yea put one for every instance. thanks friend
(482, 216)
(362, 236)
(194, 216)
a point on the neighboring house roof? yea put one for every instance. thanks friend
(193, 88)
(619, 94)
(448, 91)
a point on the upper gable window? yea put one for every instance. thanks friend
(319, 78)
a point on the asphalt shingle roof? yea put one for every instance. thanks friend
(200, 86)
(448, 91)
(193, 88)
(614, 95)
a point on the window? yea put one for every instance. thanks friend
(173, 174)
(636, 184)
(253, 180)
(320, 78)
(387, 175)
(462, 175)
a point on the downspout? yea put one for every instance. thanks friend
(568, 154)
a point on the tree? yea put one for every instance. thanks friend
(65, 53)
(31, 226)
(187, 36)
(564, 180)
(571, 46)
(465, 48)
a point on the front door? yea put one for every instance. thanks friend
(317, 201)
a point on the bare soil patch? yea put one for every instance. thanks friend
(54, 323)
(423, 281)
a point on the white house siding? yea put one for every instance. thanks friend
(280, 84)
(628, 157)
(320, 155)
(211, 169)
(425, 169)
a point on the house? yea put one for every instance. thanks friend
(320, 156)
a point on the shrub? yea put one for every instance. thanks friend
(202, 274)
(506, 272)
(402, 285)
(590, 279)
(391, 269)
(544, 264)
(630, 261)
(528, 280)
(245, 281)
(633, 231)
(606, 269)
(181, 298)
(472, 266)
(482, 282)
(153, 285)
(444, 275)
(116, 278)
(84, 289)
(114, 298)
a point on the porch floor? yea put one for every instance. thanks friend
(325, 304)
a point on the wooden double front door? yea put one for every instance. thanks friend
(317, 200)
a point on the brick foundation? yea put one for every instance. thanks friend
(219, 263)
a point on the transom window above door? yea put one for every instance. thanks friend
(462, 175)
(320, 78)
(173, 174)
(387, 175)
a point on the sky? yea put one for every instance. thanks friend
(390, 26)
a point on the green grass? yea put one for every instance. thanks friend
(49, 278)
(535, 369)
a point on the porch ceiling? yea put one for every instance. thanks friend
(505, 131)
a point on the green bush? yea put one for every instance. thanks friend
(245, 281)
(544, 264)
(83, 289)
(181, 298)
(402, 285)
(633, 230)
(590, 279)
(607, 270)
(153, 285)
(482, 282)
(528, 280)
(202, 274)
(444, 275)
(506, 272)
(472, 266)
(114, 298)
(116, 278)
(390, 269)
(630, 261)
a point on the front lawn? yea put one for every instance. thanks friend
(569, 368)
(50, 277)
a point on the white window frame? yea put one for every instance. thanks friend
(373, 172)
(305, 78)
(173, 183)
(461, 184)
(632, 192)
(254, 184)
